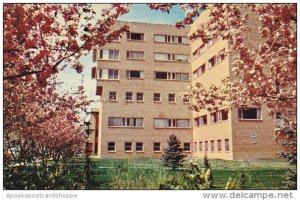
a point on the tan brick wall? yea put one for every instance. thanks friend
(147, 109)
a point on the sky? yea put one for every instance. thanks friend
(137, 13)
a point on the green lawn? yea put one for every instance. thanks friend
(142, 173)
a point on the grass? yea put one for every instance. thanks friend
(148, 173)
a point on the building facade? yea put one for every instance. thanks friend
(140, 79)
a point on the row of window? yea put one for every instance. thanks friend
(200, 50)
(114, 74)
(212, 146)
(222, 115)
(157, 122)
(113, 54)
(158, 38)
(139, 147)
(213, 61)
(140, 97)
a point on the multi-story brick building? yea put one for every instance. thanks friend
(140, 78)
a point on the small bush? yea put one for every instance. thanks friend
(236, 183)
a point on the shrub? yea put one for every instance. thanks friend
(236, 183)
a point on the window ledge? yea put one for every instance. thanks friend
(186, 102)
(131, 40)
(140, 101)
(171, 80)
(157, 101)
(134, 127)
(109, 60)
(172, 102)
(137, 59)
(250, 119)
(133, 78)
(113, 100)
(129, 101)
(111, 151)
(174, 61)
(128, 151)
(219, 122)
(157, 151)
(139, 151)
(170, 43)
(172, 128)
(101, 79)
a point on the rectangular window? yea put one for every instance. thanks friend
(171, 76)
(106, 54)
(206, 146)
(139, 96)
(156, 97)
(171, 123)
(253, 136)
(125, 122)
(198, 51)
(185, 99)
(112, 96)
(222, 115)
(195, 146)
(199, 71)
(171, 39)
(226, 144)
(171, 98)
(134, 74)
(135, 55)
(171, 57)
(111, 146)
(183, 123)
(201, 121)
(129, 96)
(156, 147)
(219, 145)
(214, 118)
(187, 147)
(108, 74)
(212, 145)
(249, 113)
(216, 59)
(139, 147)
(135, 36)
(200, 146)
(212, 62)
(128, 147)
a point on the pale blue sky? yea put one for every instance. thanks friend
(137, 13)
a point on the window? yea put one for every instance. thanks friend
(134, 74)
(171, 39)
(139, 147)
(214, 118)
(212, 145)
(109, 54)
(200, 121)
(171, 57)
(221, 115)
(216, 59)
(198, 51)
(171, 123)
(185, 99)
(108, 74)
(128, 96)
(171, 98)
(112, 96)
(139, 96)
(253, 136)
(156, 97)
(195, 146)
(128, 146)
(171, 76)
(135, 36)
(200, 146)
(219, 145)
(226, 144)
(187, 146)
(156, 147)
(249, 113)
(111, 146)
(206, 146)
(135, 55)
(125, 122)
(199, 71)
